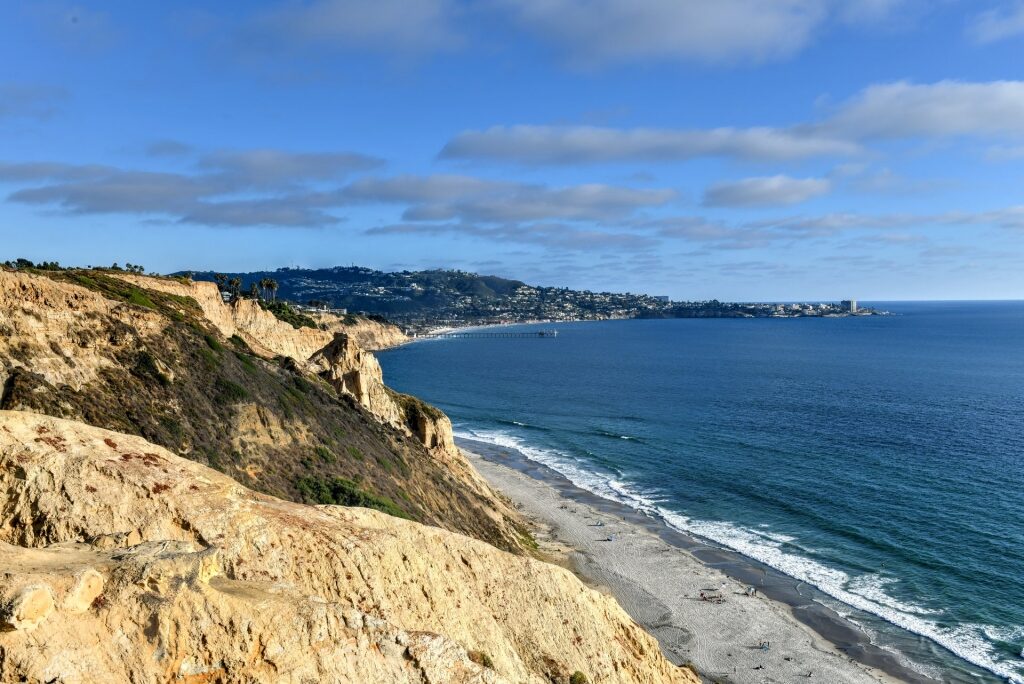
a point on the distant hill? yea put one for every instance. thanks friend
(443, 296)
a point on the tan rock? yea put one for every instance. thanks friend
(229, 585)
(27, 608)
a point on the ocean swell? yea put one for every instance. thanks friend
(867, 593)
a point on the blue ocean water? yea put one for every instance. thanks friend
(879, 459)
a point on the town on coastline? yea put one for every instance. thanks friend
(420, 301)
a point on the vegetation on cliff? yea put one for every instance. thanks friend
(166, 374)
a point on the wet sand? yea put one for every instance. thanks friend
(658, 575)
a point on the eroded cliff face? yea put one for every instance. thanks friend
(178, 572)
(369, 334)
(159, 362)
(50, 327)
(335, 354)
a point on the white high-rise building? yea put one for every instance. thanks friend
(849, 304)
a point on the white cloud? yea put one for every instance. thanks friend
(765, 192)
(444, 197)
(591, 144)
(385, 26)
(946, 108)
(899, 110)
(598, 32)
(998, 24)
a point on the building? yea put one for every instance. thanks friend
(661, 298)
(849, 305)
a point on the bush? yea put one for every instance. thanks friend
(342, 492)
(230, 392)
(355, 453)
(578, 678)
(325, 455)
(283, 312)
(213, 343)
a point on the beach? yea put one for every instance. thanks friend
(659, 576)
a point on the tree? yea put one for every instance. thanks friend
(272, 286)
(264, 285)
(221, 280)
(254, 290)
(235, 287)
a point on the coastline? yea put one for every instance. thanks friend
(657, 574)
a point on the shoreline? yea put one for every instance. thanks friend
(657, 574)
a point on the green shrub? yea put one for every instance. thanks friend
(213, 343)
(325, 455)
(283, 312)
(578, 678)
(230, 392)
(146, 367)
(247, 363)
(342, 492)
(355, 453)
(139, 298)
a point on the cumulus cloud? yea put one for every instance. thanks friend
(263, 167)
(591, 144)
(946, 108)
(611, 31)
(230, 187)
(275, 188)
(900, 110)
(444, 197)
(998, 24)
(545, 234)
(389, 26)
(765, 191)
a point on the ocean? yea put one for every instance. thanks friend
(879, 460)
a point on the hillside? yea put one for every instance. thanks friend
(124, 562)
(302, 414)
(418, 298)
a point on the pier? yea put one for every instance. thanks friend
(455, 334)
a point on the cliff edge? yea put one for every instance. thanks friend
(302, 414)
(124, 562)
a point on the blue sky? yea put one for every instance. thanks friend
(730, 149)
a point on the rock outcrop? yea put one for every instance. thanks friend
(167, 361)
(124, 562)
(369, 334)
(334, 353)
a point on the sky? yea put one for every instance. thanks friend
(744, 150)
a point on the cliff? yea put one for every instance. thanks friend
(333, 352)
(124, 562)
(232, 387)
(369, 334)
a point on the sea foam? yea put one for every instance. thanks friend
(863, 592)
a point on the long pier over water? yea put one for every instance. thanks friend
(455, 334)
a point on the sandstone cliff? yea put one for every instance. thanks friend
(333, 352)
(124, 562)
(234, 388)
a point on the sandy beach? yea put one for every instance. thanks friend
(659, 582)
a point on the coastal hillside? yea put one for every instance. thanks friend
(183, 574)
(300, 413)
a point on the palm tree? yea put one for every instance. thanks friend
(254, 290)
(235, 287)
(220, 279)
(272, 285)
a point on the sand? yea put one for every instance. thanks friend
(659, 585)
